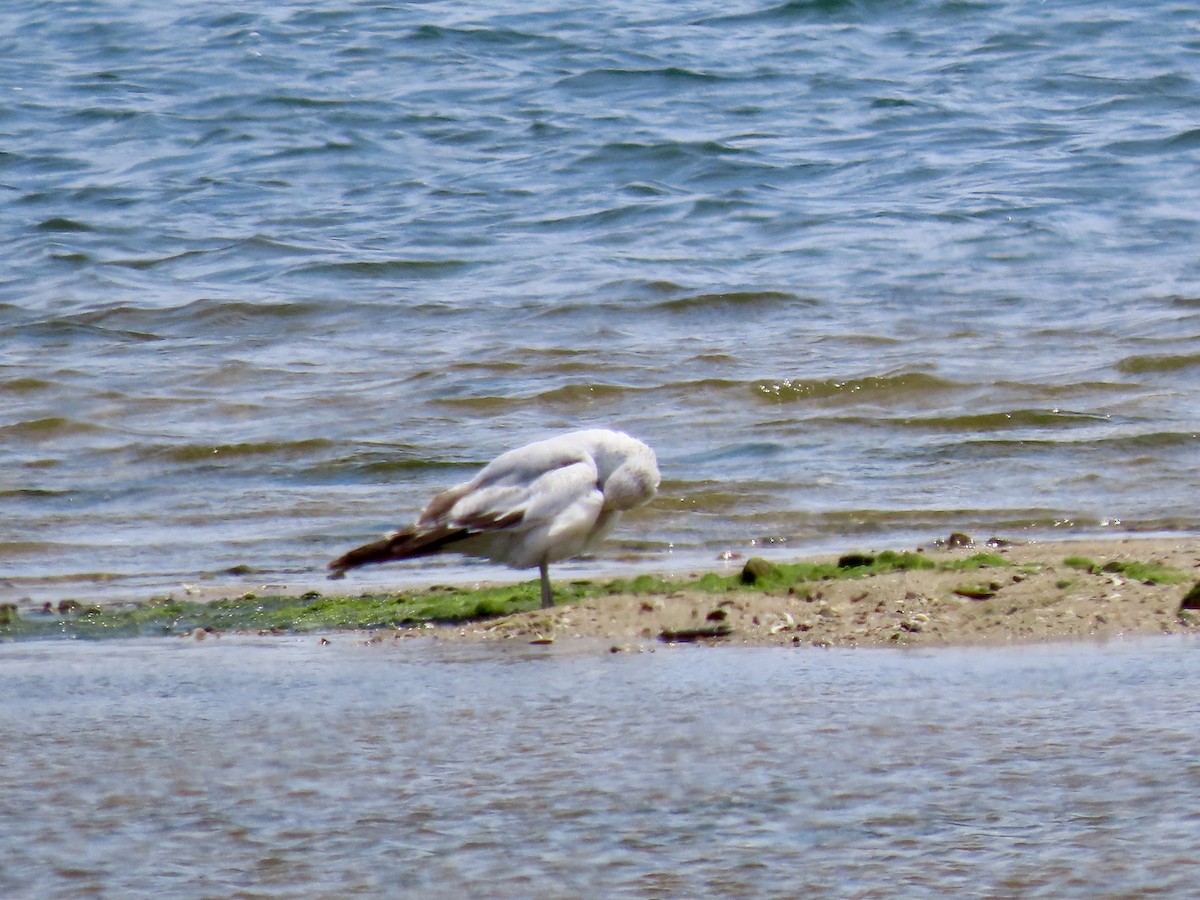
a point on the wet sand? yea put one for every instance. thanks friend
(1036, 597)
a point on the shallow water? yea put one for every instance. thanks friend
(859, 271)
(282, 767)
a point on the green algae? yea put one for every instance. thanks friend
(314, 612)
(977, 591)
(1191, 600)
(759, 574)
(978, 561)
(278, 614)
(1145, 572)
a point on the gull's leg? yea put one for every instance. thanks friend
(547, 593)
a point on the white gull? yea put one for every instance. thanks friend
(538, 504)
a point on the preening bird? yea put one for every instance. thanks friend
(538, 504)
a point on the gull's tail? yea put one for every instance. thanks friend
(397, 545)
(421, 539)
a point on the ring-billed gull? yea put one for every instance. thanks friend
(538, 504)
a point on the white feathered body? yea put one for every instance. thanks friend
(541, 503)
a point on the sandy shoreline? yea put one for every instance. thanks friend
(938, 595)
(1037, 596)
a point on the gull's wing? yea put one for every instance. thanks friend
(531, 504)
(528, 515)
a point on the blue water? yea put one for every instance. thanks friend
(288, 768)
(859, 271)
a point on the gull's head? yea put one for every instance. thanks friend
(628, 470)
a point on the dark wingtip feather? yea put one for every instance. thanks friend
(374, 552)
(398, 545)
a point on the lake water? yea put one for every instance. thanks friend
(287, 768)
(859, 271)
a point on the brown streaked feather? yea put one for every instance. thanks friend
(442, 503)
(411, 542)
(490, 521)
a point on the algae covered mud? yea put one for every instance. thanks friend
(950, 594)
(856, 270)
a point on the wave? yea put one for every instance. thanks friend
(489, 39)
(604, 80)
(378, 467)
(585, 393)
(667, 159)
(1184, 141)
(193, 453)
(733, 301)
(386, 268)
(874, 386)
(37, 494)
(141, 323)
(48, 428)
(805, 10)
(73, 327)
(593, 218)
(998, 420)
(1141, 365)
(63, 225)
(26, 385)
(951, 406)
(153, 262)
(1122, 443)
(37, 550)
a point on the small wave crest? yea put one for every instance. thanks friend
(194, 453)
(877, 387)
(1141, 365)
(48, 428)
(734, 301)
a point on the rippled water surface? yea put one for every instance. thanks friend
(264, 768)
(858, 270)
